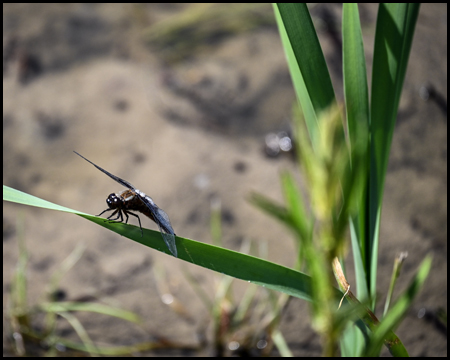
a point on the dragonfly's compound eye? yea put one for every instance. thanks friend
(113, 201)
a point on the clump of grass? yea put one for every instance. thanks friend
(35, 329)
(345, 167)
(198, 26)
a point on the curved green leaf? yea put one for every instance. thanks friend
(393, 39)
(229, 262)
(397, 312)
(306, 62)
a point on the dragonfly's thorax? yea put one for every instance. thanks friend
(127, 195)
(145, 196)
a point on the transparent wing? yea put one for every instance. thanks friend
(114, 177)
(169, 239)
(163, 222)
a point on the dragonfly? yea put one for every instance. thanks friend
(133, 199)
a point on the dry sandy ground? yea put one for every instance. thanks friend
(80, 77)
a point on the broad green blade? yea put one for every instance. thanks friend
(393, 38)
(306, 62)
(355, 76)
(240, 266)
(357, 108)
(16, 196)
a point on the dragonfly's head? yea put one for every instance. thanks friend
(114, 201)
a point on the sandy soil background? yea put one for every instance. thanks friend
(185, 121)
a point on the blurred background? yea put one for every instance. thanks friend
(191, 104)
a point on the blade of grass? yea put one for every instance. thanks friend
(294, 200)
(13, 195)
(81, 332)
(297, 78)
(274, 210)
(398, 262)
(354, 69)
(357, 106)
(281, 344)
(306, 62)
(235, 264)
(69, 306)
(390, 340)
(393, 38)
(398, 311)
(308, 53)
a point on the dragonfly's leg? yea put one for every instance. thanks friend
(105, 211)
(127, 212)
(119, 216)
